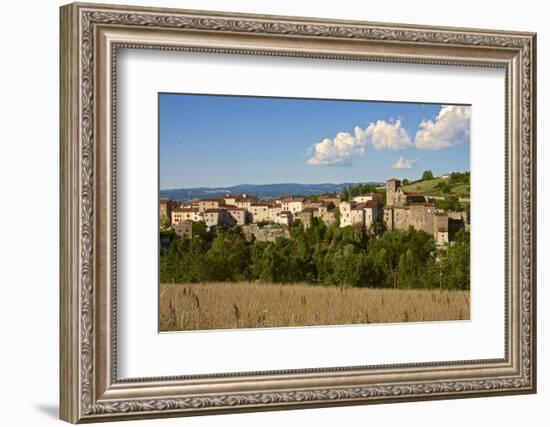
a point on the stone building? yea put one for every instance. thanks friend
(213, 217)
(352, 213)
(267, 233)
(273, 213)
(395, 196)
(231, 199)
(404, 210)
(285, 218)
(184, 228)
(206, 204)
(305, 216)
(345, 214)
(234, 215)
(245, 201)
(327, 199)
(259, 212)
(185, 214)
(369, 197)
(165, 208)
(372, 212)
(291, 204)
(327, 212)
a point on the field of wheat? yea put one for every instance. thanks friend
(251, 305)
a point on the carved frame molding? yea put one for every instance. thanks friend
(90, 36)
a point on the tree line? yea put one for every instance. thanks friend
(319, 254)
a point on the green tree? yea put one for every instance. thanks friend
(228, 258)
(449, 204)
(403, 255)
(164, 222)
(456, 265)
(444, 186)
(345, 194)
(427, 175)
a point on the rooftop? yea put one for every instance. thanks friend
(413, 194)
(185, 210)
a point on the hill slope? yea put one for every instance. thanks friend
(429, 188)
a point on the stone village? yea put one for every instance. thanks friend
(265, 220)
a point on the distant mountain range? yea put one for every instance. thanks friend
(263, 191)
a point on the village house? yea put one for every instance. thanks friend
(402, 210)
(372, 212)
(165, 208)
(285, 218)
(291, 204)
(206, 204)
(334, 200)
(352, 213)
(305, 216)
(327, 212)
(245, 201)
(184, 228)
(231, 199)
(259, 212)
(213, 217)
(369, 197)
(234, 215)
(185, 214)
(273, 212)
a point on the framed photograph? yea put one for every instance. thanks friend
(266, 212)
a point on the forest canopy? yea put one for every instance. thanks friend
(321, 255)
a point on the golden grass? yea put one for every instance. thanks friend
(253, 305)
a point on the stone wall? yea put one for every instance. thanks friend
(264, 234)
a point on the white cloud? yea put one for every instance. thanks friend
(386, 135)
(451, 128)
(340, 150)
(403, 163)
(337, 151)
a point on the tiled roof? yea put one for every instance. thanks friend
(185, 210)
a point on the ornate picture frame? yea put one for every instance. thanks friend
(90, 37)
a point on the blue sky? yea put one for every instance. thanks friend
(219, 141)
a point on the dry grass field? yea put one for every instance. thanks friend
(250, 305)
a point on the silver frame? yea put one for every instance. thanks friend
(90, 37)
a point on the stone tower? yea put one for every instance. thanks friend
(391, 189)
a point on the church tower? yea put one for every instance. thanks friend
(391, 189)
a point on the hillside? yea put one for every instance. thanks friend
(430, 188)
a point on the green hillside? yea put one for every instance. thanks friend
(432, 187)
